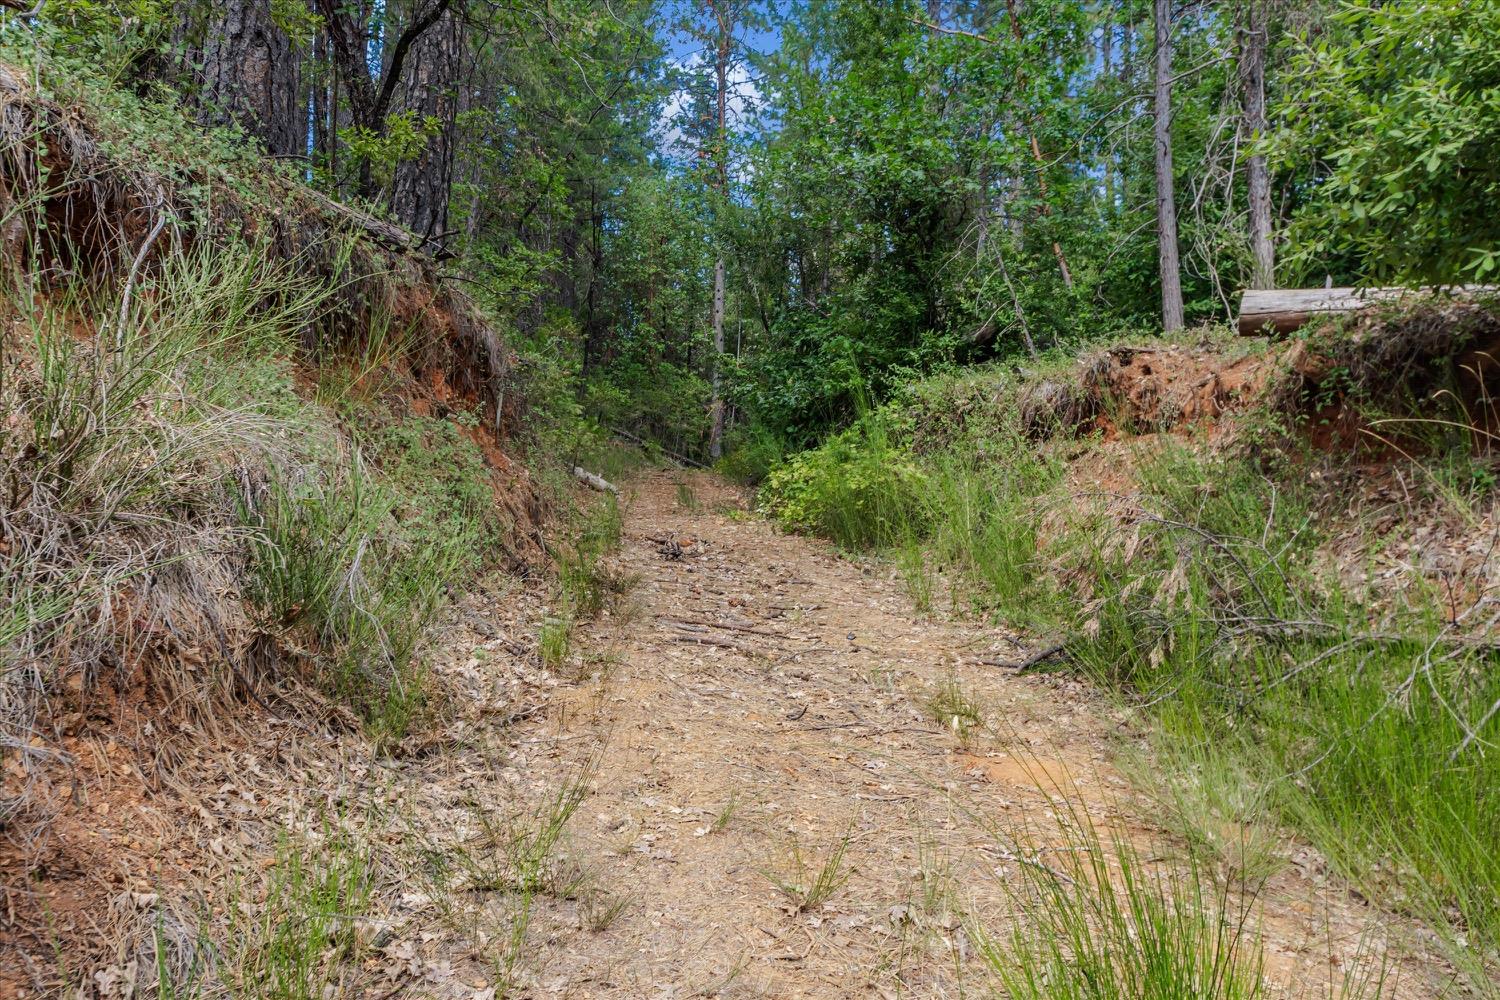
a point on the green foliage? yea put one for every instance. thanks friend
(586, 584)
(323, 561)
(294, 944)
(441, 481)
(403, 136)
(1402, 104)
(913, 479)
(857, 489)
(751, 453)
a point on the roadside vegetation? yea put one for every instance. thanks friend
(1228, 590)
(243, 475)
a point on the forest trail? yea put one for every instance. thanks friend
(758, 696)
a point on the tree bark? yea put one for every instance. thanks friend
(1166, 203)
(422, 185)
(1106, 67)
(1257, 173)
(250, 76)
(370, 98)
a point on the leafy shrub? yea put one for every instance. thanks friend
(750, 454)
(1407, 126)
(857, 489)
(440, 480)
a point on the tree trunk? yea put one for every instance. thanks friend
(1253, 122)
(722, 16)
(1106, 69)
(1166, 203)
(716, 431)
(369, 99)
(250, 76)
(422, 185)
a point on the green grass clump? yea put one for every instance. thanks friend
(555, 640)
(1361, 730)
(809, 882)
(297, 943)
(326, 560)
(585, 582)
(860, 489)
(300, 937)
(1095, 923)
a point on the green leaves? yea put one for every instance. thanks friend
(1401, 105)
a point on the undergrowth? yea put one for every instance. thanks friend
(167, 468)
(1095, 921)
(586, 583)
(1362, 716)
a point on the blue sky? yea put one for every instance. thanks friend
(689, 51)
(682, 45)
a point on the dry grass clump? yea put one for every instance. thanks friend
(126, 454)
(102, 186)
(180, 529)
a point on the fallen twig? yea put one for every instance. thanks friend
(1036, 657)
(709, 640)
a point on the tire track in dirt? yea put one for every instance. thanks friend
(758, 697)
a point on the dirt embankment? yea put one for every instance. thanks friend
(151, 714)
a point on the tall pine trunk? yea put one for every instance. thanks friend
(1166, 202)
(250, 76)
(721, 183)
(1106, 67)
(1257, 173)
(422, 185)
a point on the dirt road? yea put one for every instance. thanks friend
(755, 703)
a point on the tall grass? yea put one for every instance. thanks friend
(296, 943)
(1365, 724)
(1361, 727)
(124, 425)
(164, 477)
(326, 559)
(586, 584)
(1093, 922)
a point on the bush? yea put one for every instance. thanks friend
(857, 489)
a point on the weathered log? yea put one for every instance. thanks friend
(593, 482)
(387, 234)
(1282, 310)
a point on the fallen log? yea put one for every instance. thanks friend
(596, 483)
(1274, 311)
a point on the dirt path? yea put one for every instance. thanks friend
(759, 697)
(618, 827)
